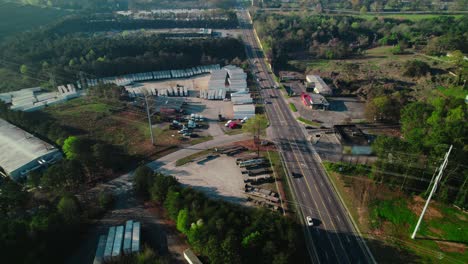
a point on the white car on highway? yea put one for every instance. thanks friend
(309, 221)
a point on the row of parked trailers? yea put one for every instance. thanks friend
(218, 94)
(119, 240)
(155, 75)
(180, 91)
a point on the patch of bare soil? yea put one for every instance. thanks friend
(417, 206)
(435, 230)
(451, 247)
(250, 144)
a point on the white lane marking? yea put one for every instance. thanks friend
(321, 184)
(303, 194)
(329, 199)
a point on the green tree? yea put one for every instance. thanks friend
(69, 209)
(24, 69)
(256, 126)
(105, 199)
(382, 108)
(173, 203)
(143, 179)
(12, 197)
(251, 239)
(183, 221)
(161, 185)
(69, 147)
(363, 10)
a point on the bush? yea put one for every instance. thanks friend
(347, 168)
(416, 68)
(105, 199)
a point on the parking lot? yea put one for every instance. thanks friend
(341, 110)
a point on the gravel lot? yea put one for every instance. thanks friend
(217, 178)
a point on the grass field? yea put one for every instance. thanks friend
(391, 216)
(17, 18)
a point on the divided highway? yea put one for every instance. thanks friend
(334, 239)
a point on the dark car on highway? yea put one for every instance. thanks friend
(296, 175)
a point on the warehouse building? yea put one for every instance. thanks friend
(32, 99)
(317, 85)
(314, 101)
(244, 110)
(228, 79)
(21, 152)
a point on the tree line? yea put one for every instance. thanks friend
(31, 59)
(36, 229)
(294, 36)
(376, 5)
(97, 23)
(429, 127)
(223, 232)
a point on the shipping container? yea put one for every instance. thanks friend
(117, 248)
(99, 257)
(109, 243)
(127, 246)
(136, 237)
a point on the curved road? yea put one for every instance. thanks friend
(335, 239)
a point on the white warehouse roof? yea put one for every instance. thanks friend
(320, 86)
(21, 152)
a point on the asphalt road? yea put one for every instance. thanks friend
(334, 239)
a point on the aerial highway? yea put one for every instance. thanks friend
(333, 238)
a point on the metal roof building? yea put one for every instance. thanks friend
(21, 152)
(244, 110)
(319, 85)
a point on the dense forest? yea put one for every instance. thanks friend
(120, 23)
(288, 37)
(109, 5)
(429, 127)
(223, 232)
(30, 59)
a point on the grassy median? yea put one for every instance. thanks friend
(293, 107)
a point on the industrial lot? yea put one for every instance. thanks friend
(198, 101)
(194, 136)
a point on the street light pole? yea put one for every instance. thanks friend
(149, 119)
(436, 182)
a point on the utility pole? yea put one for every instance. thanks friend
(149, 119)
(436, 181)
(52, 80)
